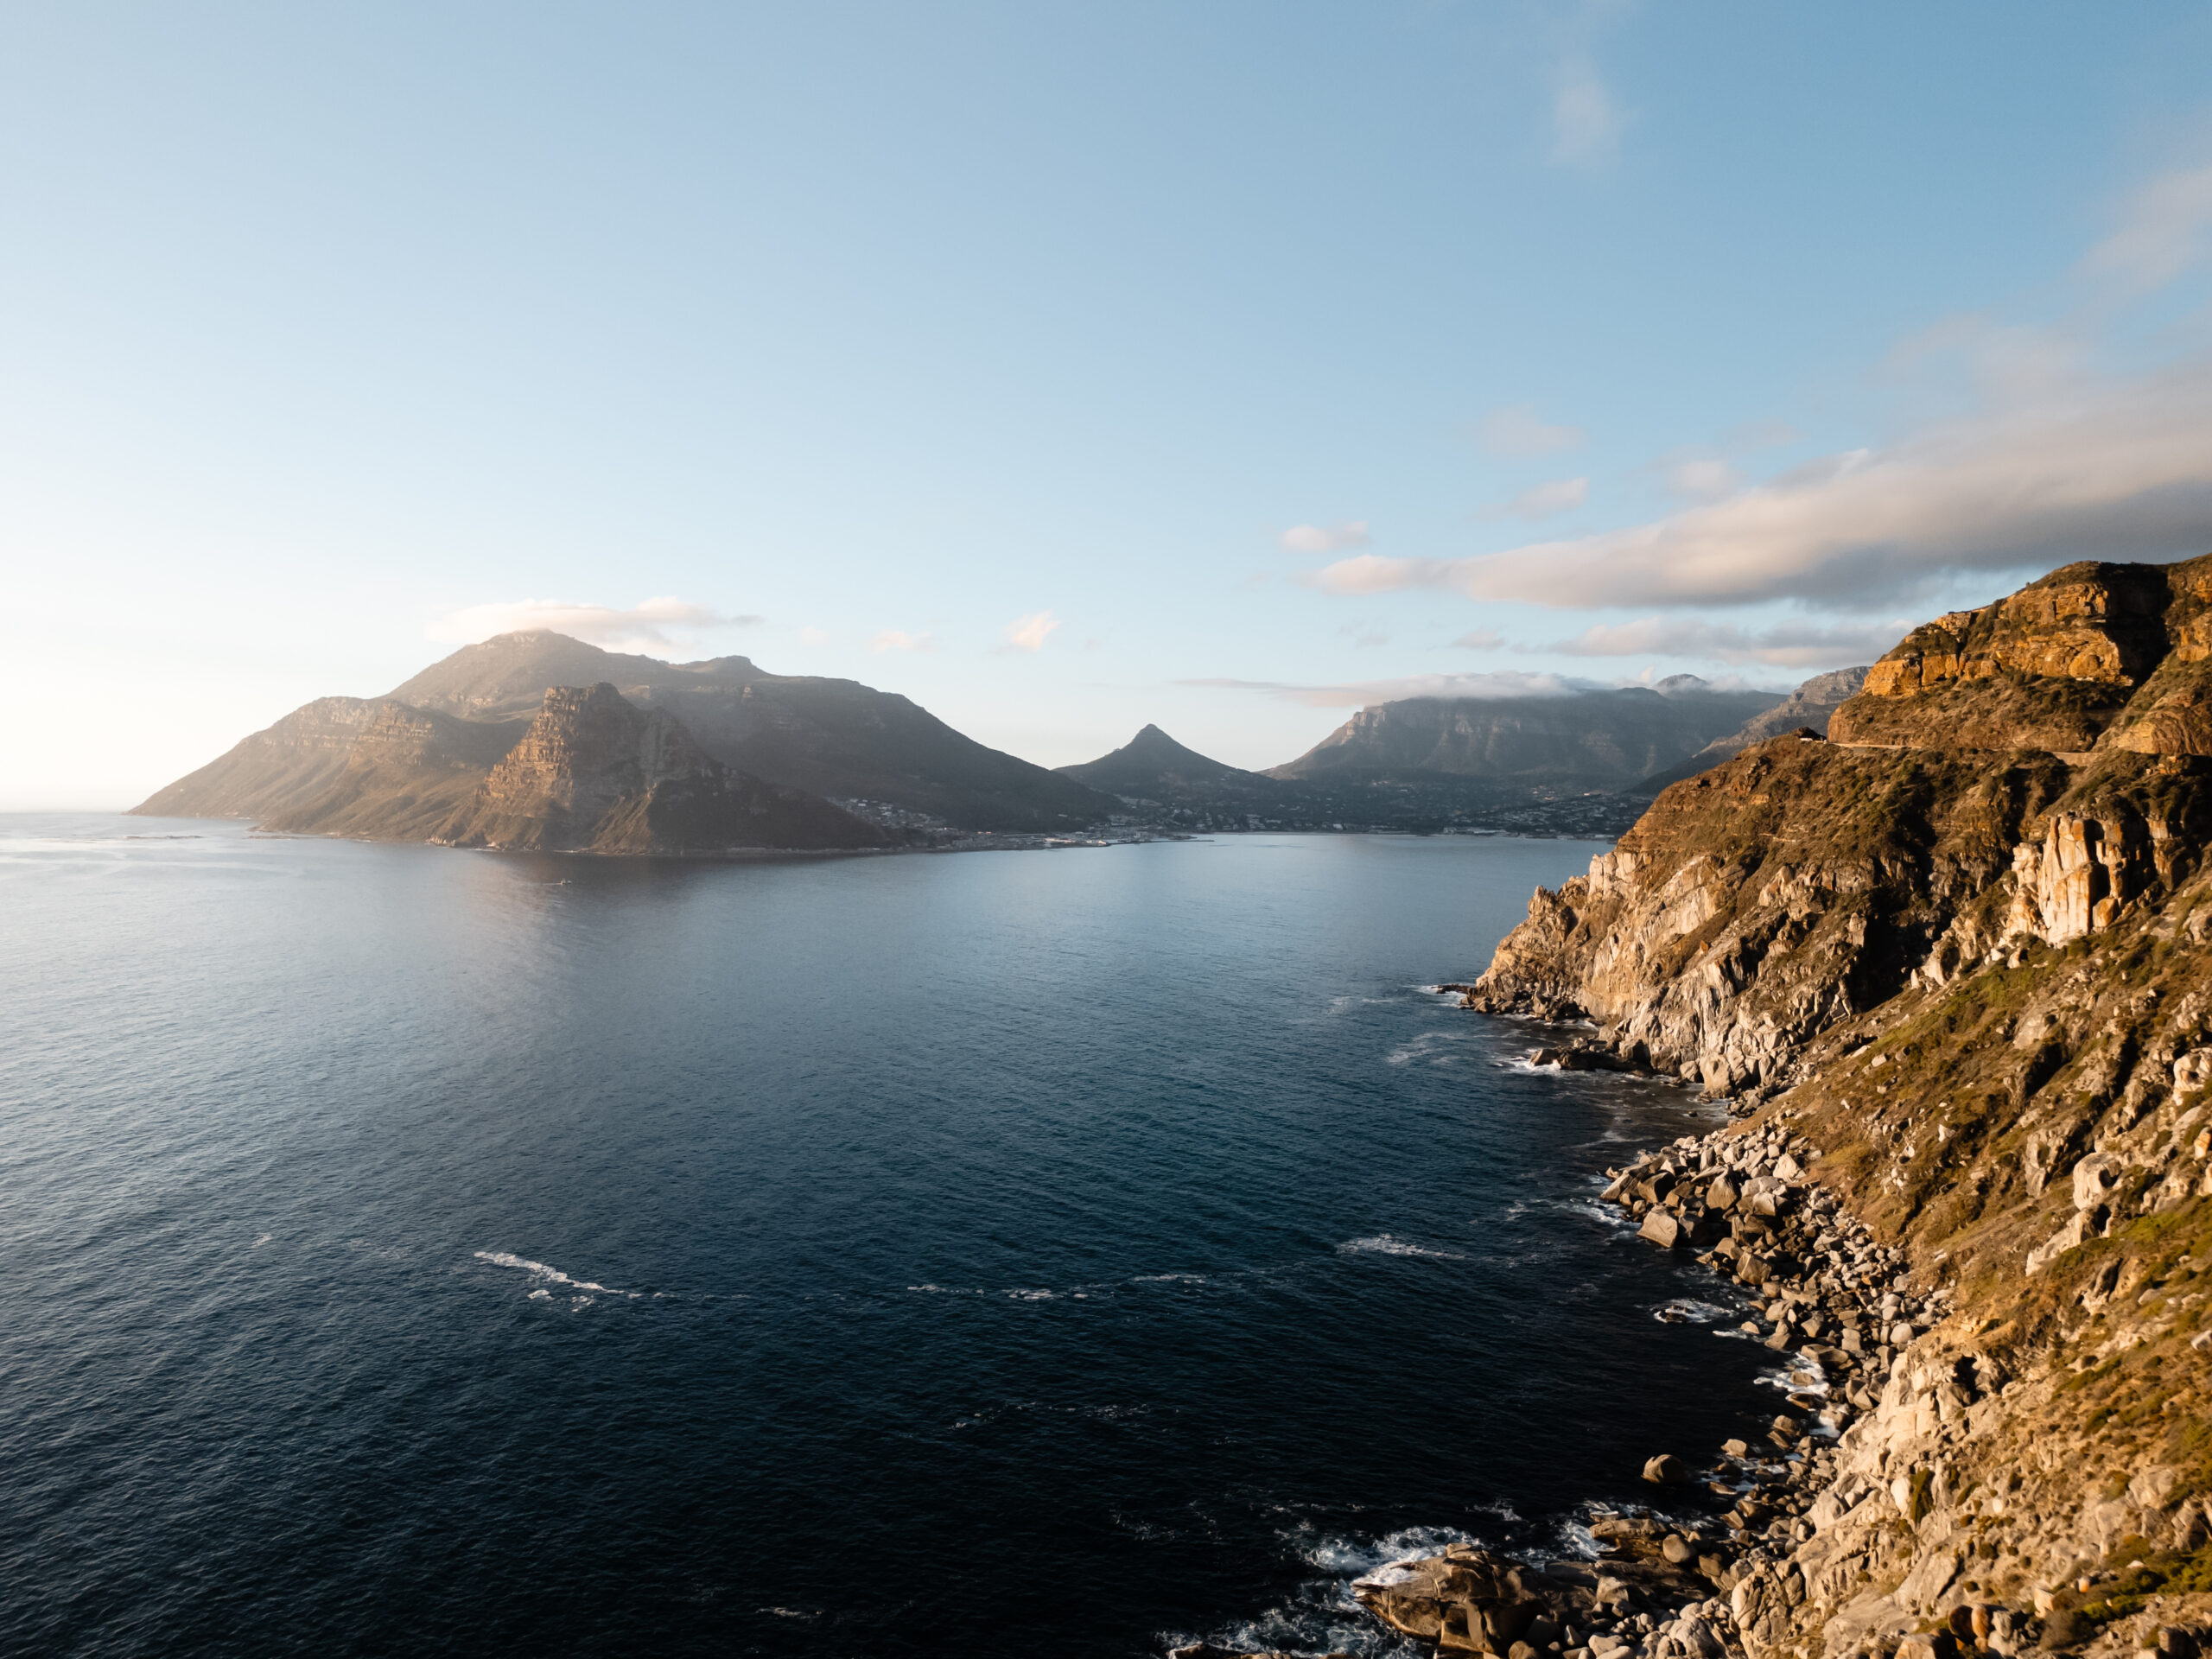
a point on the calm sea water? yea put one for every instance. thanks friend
(411, 1250)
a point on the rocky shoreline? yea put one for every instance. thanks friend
(1951, 968)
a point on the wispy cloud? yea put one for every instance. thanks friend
(1702, 478)
(2162, 232)
(897, 639)
(1788, 645)
(1360, 694)
(1325, 538)
(1586, 119)
(1481, 639)
(2118, 467)
(1520, 431)
(641, 627)
(1029, 632)
(1544, 500)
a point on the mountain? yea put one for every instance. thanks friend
(1574, 740)
(1952, 964)
(399, 765)
(1808, 707)
(836, 738)
(1153, 764)
(595, 773)
(589, 771)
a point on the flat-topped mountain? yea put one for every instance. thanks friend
(836, 738)
(1594, 739)
(399, 766)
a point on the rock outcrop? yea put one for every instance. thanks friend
(595, 773)
(1951, 966)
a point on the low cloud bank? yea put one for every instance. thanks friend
(641, 627)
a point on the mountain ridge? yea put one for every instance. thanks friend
(1595, 739)
(833, 739)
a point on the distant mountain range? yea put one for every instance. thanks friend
(1587, 740)
(537, 739)
(1578, 762)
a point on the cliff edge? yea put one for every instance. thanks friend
(1952, 965)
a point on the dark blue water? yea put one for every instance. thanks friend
(410, 1251)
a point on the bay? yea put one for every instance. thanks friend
(1064, 1252)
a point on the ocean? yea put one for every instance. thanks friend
(1067, 1252)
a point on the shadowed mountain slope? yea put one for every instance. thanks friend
(832, 738)
(595, 773)
(588, 771)
(1153, 763)
(836, 738)
(1597, 739)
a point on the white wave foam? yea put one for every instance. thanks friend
(263, 1240)
(1419, 1048)
(1367, 1563)
(547, 1275)
(1685, 1311)
(1389, 1244)
(1030, 1295)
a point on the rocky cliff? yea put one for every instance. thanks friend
(1952, 966)
(594, 772)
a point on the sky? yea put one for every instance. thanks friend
(1070, 368)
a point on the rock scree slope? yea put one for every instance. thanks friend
(1952, 967)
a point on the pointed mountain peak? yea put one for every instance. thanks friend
(1148, 757)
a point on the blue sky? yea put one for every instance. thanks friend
(1069, 367)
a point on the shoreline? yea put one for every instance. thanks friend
(1675, 1583)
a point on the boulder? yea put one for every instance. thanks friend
(1662, 1228)
(2153, 1488)
(1665, 1470)
(2094, 1177)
